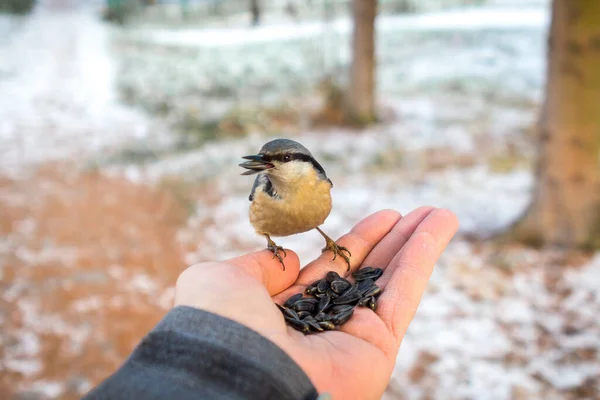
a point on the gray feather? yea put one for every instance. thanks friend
(262, 181)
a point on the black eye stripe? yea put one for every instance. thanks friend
(294, 157)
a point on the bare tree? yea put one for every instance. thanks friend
(360, 97)
(565, 210)
(255, 11)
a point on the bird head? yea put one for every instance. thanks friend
(283, 160)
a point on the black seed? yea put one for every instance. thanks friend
(332, 294)
(290, 313)
(310, 290)
(298, 325)
(303, 314)
(351, 289)
(307, 304)
(322, 286)
(324, 304)
(372, 303)
(340, 285)
(377, 274)
(314, 284)
(365, 285)
(281, 308)
(342, 318)
(289, 302)
(373, 291)
(315, 325)
(323, 317)
(364, 302)
(367, 288)
(341, 308)
(368, 273)
(349, 296)
(304, 307)
(319, 295)
(331, 276)
(364, 271)
(327, 325)
(309, 318)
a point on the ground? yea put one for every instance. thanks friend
(101, 208)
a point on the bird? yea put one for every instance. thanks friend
(291, 194)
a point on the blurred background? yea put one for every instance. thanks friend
(122, 123)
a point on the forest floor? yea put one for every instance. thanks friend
(101, 207)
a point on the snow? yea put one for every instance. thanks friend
(465, 19)
(465, 86)
(60, 100)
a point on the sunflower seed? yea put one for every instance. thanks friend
(289, 302)
(377, 274)
(327, 325)
(372, 303)
(315, 325)
(365, 285)
(364, 270)
(298, 325)
(303, 314)
(305, 305)
(331, 276)
(322, 286)
(373, 291)
(290, 313)
(323, 317)
(310, 290)
(332, 294)
(324, 304)
(366, 273)
(351, 295)
(340, 285)
(341, 308)
(364, 302)
(342, 318)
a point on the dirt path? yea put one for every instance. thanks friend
(57, 96)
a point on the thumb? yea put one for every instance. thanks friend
(263, 266)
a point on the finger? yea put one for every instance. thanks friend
(268, 270)
(411, 269)
(360, 241)
(391, 244)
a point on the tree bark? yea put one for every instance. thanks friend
(255, 11)
(565, 210)
(360, 98)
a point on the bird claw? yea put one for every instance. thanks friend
(274, 248)
(337, 249)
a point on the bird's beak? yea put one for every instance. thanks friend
(255, 165)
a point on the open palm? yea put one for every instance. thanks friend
(356, 361)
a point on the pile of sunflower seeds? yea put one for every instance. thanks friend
(331, 301)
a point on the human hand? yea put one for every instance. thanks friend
(356, 361)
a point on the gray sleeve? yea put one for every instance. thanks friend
(193, 354)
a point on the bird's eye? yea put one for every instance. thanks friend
(287, 158)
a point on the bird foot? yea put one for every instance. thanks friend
(337, 249)
(274, 248)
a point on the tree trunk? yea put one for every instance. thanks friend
(360, 98)
(565, 210)
(255, 11)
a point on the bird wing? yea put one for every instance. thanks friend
(262, 181)
(254, 186)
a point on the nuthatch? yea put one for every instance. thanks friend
(290, 195)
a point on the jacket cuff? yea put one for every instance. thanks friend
(198, 353)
